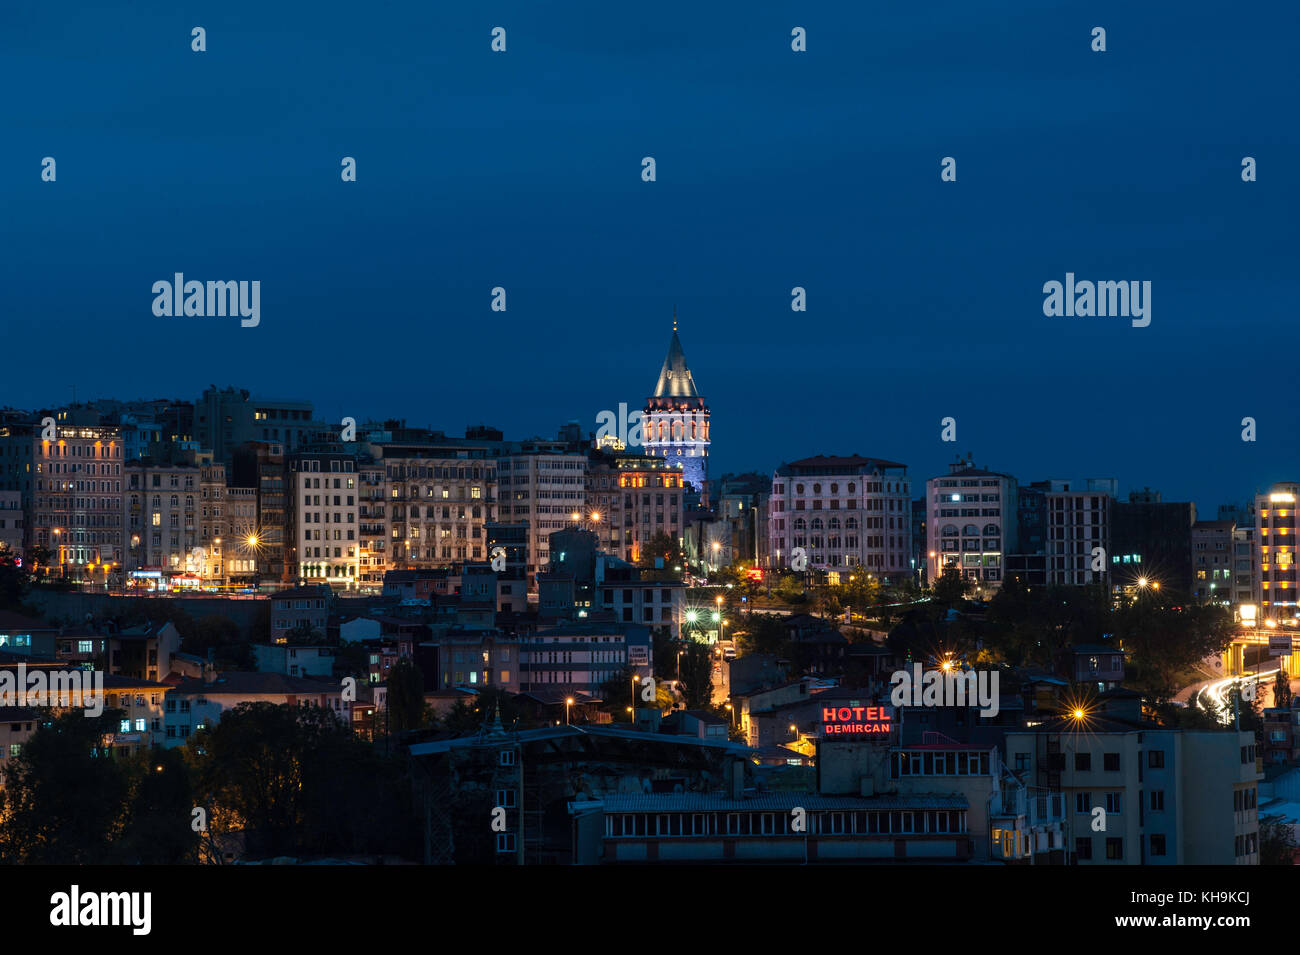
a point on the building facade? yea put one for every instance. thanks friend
(844, 512)
(324, 545)
(1277, 580)
(971, 523)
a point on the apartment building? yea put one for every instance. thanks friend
(307, 607)
(843, 512)
(372, 524)
(71, 487)
(261, 465)
(1166, 796)
(578, 658)
(163, 504)
(11, 522)
(1078, 530)
(439, 495)
(631, 499)
(1213, 561)
(971, 523)
(545, 489)
(193, 705)
(322, 540)
(225, 419)
(1276, 575)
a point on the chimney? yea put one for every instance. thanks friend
(736, 780)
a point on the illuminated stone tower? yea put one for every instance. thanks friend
(677, 419)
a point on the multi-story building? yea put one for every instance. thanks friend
(214, 529)
(972, 523)
(631, 499)
(140, 702)
(1244, 570)
(225, 419)
(11, 522)
(162, 515)
(236, 550)
(619, 589)
(677, 419)
(372, 523)
(1167, 796)
(198, 704)
(578, 658)
(1277, 579)
(307, 607)
(472, 658)
(439, 496)
(1213, 561)
(71, 489)
(546, 488)
(1151, 540)
(1078, 530)
(322, 542)
(844, 512)
(261, 465)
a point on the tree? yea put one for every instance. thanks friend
(616, 693)
(304, 635)
(262, 763)
(665, 548)
(697, 675)
(64, 799)
(763, 633)
(1277, 843)
(159, 825)
(15, 581)
(405, 696)
(951, 587)
(1282, 689)
(790, 588)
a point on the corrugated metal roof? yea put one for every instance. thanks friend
(557, 732)
(779, 802)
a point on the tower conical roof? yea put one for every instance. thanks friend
(675, 380)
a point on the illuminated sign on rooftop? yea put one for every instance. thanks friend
(857, 720)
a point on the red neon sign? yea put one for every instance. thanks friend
(857, 720)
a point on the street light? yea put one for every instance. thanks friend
(631, 709)
(567, 703)
(732, 711)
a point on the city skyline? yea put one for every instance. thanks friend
(775, 170)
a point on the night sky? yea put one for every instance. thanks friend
(775, 169)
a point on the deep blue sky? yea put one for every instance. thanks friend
(775, 169)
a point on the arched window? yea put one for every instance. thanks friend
(991, 530)
(817, 523)
(949, 530)
(799, 524)
(798, 489)
(851, 524)
(817, 488)
(970, 530)
(835, 523)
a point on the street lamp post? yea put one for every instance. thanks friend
(632, 709)
(567, 703)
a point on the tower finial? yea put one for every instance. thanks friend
(674, 319)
